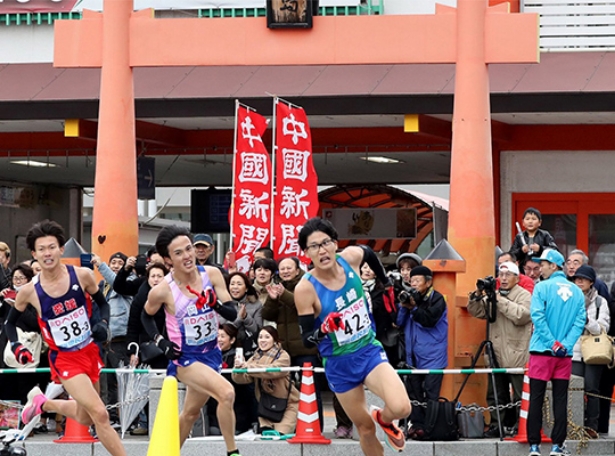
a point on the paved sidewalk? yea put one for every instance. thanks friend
(42, 445)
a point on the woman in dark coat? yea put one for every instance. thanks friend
(384, 317)
(249, 320)
(280, 309)
(136, 334)
(245, 401)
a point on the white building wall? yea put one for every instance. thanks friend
(414, 6)
(28, 44)
(551, 172)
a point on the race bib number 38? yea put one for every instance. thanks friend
(71, 329)
(357, 323)
(200, 329)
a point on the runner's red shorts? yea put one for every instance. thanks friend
(65, 365)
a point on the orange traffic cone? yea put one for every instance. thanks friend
(308, 423)
(521, 436)
(75, 432)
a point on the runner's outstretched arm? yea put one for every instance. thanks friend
(374, 264)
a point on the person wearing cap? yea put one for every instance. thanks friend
(401, 282)
(114, 353)
(204, 247)
(598, 321)
(405, 262)
(524, 281)
(578, 258)
(558, 314)
(425, 325)
(510, 337)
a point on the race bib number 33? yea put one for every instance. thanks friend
(200, 329)
(71, 329)
(357, 323)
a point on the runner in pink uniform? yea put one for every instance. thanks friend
(191, 298)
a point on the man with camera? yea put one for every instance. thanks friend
(423, 317)
(509, 331)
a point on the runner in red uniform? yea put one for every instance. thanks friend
(64, 309)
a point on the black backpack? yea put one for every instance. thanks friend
(441, 420)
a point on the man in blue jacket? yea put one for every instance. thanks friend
(558, 313)
(422, 315)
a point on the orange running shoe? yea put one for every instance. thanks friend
(395, 438)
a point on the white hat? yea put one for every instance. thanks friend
(509, 266)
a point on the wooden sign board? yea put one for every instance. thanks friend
(290, 13)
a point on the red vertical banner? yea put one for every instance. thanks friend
(251, 202)
(296, 184)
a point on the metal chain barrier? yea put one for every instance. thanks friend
(131, 401)
(287, 369)
(492, 408)
(574, 431)
(15, 405)
(607, 398)
(474, 408)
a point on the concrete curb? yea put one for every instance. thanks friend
(138, 447)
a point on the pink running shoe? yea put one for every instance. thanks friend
(34, 406)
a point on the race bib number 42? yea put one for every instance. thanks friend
(71, 329)
(357, 323)
(201, 328)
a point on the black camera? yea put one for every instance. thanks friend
(411, 293)
(141, 264)
(487, 284)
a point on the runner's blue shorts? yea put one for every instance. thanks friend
(212, 359)
(345, 372)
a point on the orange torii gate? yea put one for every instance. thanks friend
(472, 36)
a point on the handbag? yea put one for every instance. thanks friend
(32, 341)
(441, 420)
(471, 422)
(273, 408)
(148, 351)
(597, 349)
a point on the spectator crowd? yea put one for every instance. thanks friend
(540, 306)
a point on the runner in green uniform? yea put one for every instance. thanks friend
(334, 315)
